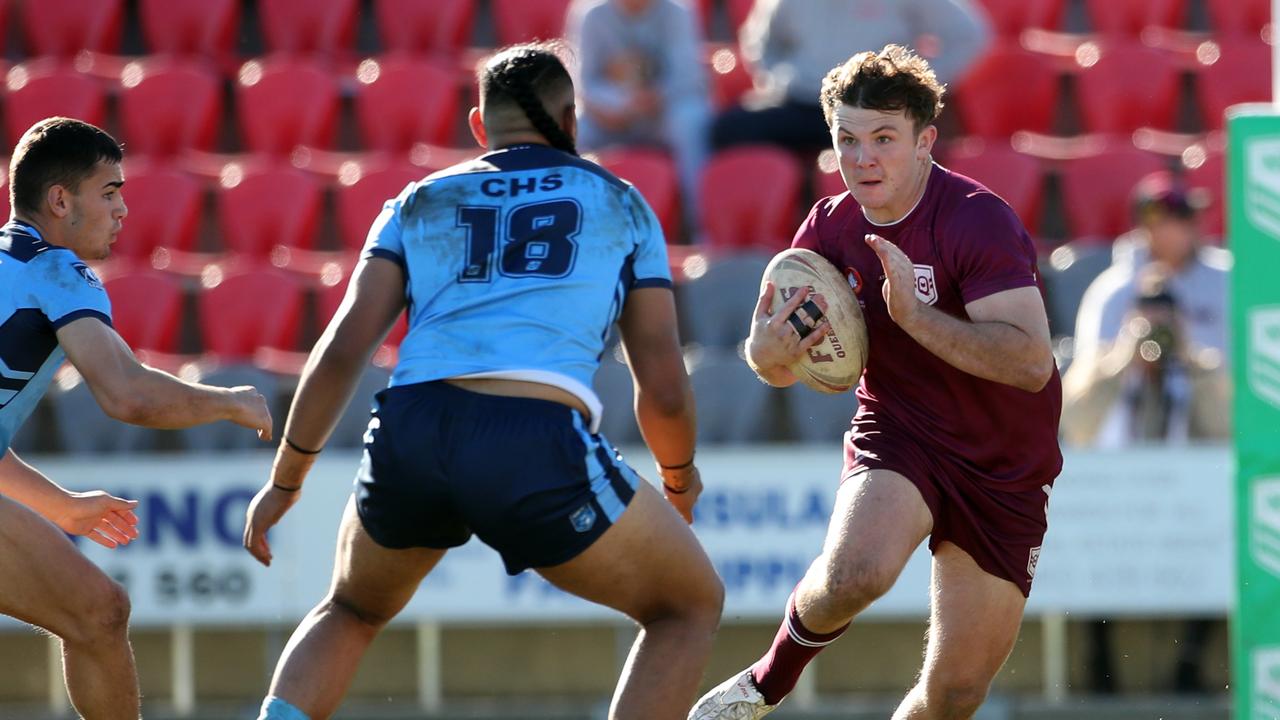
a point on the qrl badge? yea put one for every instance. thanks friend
(1262, 201)
(926, 288)
(1264, 353)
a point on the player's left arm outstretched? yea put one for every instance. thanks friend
(97, 515)
(373, 301)
(1006, 338)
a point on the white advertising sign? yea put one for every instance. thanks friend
(1136, 532)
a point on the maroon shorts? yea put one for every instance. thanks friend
(1002, 530)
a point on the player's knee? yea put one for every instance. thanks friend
(699, 603)
(372, 617)
(956, 695)
(857, 582)
(103, 613)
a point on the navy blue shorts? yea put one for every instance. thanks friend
(526, 475)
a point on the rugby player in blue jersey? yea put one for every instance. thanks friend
(65, 182)
(513, 267)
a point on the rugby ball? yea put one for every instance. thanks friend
(835, 364)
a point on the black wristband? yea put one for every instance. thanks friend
(681, 466)
(282, 488)
(675, 491)
(297, 449)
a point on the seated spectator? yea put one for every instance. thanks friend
(642, 81)
(790, 46)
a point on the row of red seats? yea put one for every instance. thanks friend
(1117, 86)
(1129, 17)
(280, 103)
(240, 316)
(166, 107)
(211, 27)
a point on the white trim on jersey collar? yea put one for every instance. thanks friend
(546, 377)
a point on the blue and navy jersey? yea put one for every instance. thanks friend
(517, 264)
(42, 288)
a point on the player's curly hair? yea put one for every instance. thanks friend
(56, 151)
(526, 75)
(894, 79)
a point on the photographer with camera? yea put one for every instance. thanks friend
(1151, 365)
(1151, 333)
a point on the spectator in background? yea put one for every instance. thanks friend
(1151, 333)
(642, 82)
(1150, 349)
(789, 45)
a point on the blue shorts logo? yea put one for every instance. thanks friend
(583, 518)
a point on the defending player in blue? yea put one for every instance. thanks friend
(513, 268)
(65, 186)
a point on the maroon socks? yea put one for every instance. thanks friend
(777, 673)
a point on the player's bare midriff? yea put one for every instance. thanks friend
(521, 388)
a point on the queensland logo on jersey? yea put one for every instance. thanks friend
(926, 287)
(89, 275)
(855, 280)
(1033, 559)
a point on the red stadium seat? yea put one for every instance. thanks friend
(243, 312)
(358, 203)
(1096, 190)
(206, 28)
(738, 12)
(284, 103)
(828, 182)
(1241, 73)
(1011, 17)
(167, 108)
(164, 210)
(146, 309)
(1238, 17)
(401, 101)
(40, 90)
(729, 77)
(65, 27)
(1209, 176)
(1014, 176)
(442, 27)
(5, 209)
(308, 26)
(523, 20)
(1111, 102)
(1010, 89)
(1129, 17)
(654, 175)
(749, 197)
(259, 210)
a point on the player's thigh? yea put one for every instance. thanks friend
(974, 621)
(375, 581)
(879, 519)
(44, 579)
(648, 564)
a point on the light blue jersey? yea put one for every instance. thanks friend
(517, 264)
(42, 288)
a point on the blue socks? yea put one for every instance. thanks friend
(274, 708)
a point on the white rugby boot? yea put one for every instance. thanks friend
(734, 699)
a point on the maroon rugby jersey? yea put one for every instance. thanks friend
(966, 244)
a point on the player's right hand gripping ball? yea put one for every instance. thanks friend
(835, 364)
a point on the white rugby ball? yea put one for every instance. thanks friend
(835, 364)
